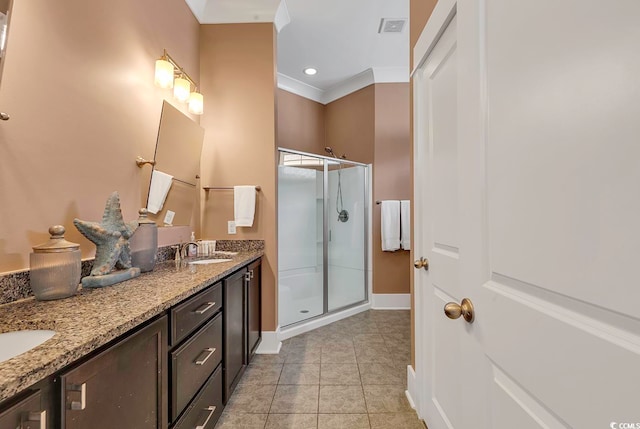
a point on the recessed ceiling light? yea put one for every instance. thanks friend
(310, 71)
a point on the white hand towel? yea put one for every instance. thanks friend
(390, 224)
(160, 185)
(405, 224)
(244, 205)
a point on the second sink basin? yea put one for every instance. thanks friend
(209, 261)
(15, 343)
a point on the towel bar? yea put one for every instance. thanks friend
(219, 188)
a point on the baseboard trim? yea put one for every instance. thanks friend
(270, 344)
(391, 301)
(411, 392)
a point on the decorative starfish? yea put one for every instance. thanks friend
(111, 237)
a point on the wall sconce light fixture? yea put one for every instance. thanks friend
(170, 75)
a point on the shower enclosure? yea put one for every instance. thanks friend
(322, 235)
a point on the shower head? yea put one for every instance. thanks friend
(329, 150)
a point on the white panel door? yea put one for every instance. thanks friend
(437, 235)
(548, 187)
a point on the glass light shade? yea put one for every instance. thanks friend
(164, 74)
(196, 103)
(181, 89)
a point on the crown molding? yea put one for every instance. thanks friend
(302, 89)
(282, 18)
(346, 87)
(391, 74)
(247, 11)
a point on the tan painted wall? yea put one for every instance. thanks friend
(420, 11)
(350, 125)
(301, 123)
(391, 180)
(78, 84)
(239, 79)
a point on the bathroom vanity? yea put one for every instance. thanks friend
(164, 350)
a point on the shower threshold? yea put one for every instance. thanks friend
(320, 320)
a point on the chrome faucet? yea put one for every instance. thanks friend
(181, 249)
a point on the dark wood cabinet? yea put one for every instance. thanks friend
(33, 409)
(176, 371)
(124, 386)
(254, 311)
(233, 310)
(193, 362)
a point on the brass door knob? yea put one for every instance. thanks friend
(421, 263)
(454, 310)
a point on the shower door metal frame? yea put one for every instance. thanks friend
(326, 236)
(325, 232)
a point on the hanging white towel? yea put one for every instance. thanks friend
(244, 205)
(160, 185)
(405, 224)
(390, 223)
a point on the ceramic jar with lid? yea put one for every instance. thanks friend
(55, 267)
(144, 243)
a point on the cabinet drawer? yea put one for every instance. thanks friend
(193, 362)
(206, 409)
(186, 317)
(28, 413)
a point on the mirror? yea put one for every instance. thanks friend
(177, 167)
(5, 6)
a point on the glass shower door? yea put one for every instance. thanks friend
(300, 238)
(346, 217)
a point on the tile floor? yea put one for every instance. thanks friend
(347, 375)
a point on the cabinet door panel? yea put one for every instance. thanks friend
(234, 337)
(124, 386)
(28, 413)
(254, 315)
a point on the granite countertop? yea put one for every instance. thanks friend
(94, 317)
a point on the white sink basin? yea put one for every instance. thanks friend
(209, 261)
(17, 342)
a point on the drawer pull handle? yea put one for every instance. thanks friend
(205, 307)
(38, 416)
(211, 409)
(82, 388)
(209, 351)
(250, 274)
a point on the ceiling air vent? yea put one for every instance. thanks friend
(392, 25)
